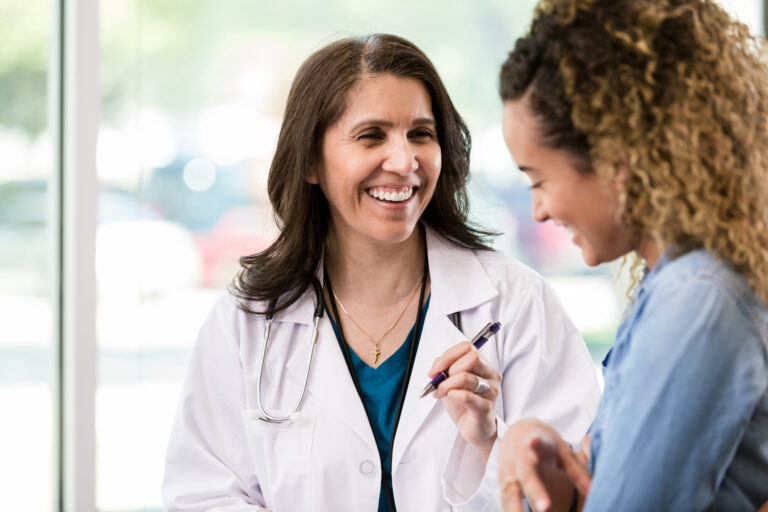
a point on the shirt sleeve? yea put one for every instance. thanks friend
(473, 494)
(547, 373)
(686, 382)
(206, 467)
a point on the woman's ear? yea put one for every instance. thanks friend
(622, 174)
(620, 180)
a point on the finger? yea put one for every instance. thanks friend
(582, 457)
(450, 356)
(545, 447)
(574, 468)
(470, 400)
(552, 449)
(511, 496)
(468, 382)
(586, 443)
(473, 362)
(532, 486)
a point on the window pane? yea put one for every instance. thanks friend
(27, 258)
(748, 11)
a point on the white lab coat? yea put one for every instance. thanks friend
(221, 458)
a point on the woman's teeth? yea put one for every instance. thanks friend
(389, 195)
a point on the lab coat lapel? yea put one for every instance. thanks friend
(329, 379)
(458, 283)
(458, 277)
(438, 335)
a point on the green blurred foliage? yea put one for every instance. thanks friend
(176, 54)
(25, 29)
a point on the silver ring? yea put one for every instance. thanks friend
(482, 385)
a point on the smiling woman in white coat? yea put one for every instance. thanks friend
(302, 392)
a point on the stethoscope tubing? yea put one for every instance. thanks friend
(263, 414)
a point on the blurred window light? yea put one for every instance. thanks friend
(230, 133)
(116, 158)
(490, 157)
(199, 174)
(750, 12)
(155, 138)
(15, 147)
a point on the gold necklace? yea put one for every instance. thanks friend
(376, 348)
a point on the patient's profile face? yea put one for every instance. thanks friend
(380, 160)
(578, 201)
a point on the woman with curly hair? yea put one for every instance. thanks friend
(643, 128)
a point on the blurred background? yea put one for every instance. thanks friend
(192, 94)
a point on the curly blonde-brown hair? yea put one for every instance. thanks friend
(671, 97)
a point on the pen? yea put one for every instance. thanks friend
(478, 341)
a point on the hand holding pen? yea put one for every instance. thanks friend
(478, 341)
(468, 387)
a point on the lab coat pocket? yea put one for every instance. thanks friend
(280, 453)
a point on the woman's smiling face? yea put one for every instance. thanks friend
(380, 160)
(578, 201)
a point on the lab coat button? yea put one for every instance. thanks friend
(366, 467)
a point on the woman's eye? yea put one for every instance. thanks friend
(370, 136)
(535, 185)
(422, 134)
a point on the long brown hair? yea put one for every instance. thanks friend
(670, 96)
(316, 100)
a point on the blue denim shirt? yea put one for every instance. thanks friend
(683, 423)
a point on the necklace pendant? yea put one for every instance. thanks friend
(376, 353)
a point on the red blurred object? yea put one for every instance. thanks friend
(239, 231)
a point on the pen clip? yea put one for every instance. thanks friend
(482, 333)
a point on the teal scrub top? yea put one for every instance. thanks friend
(381, 393)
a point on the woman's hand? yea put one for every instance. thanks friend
(474, 413)
(534, 462)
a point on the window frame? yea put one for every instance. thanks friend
(74, 103)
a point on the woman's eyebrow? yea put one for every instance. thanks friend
(388, 124)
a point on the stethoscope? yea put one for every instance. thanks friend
(262, 414)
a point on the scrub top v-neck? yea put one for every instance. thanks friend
(381, 393)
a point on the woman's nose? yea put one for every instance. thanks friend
(400, 157)
(538, 211)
